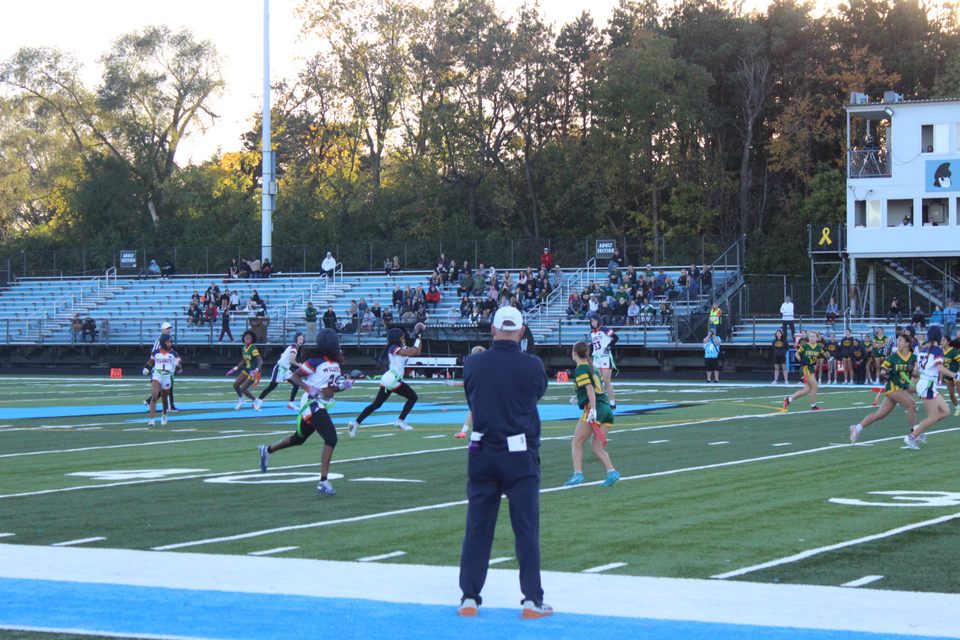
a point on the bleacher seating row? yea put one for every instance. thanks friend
(40, 310)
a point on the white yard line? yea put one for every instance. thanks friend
(383, 480)
(384, 556)
(384, 435)
(719, 442)
(809, 553)
(605, 567)
(658, 441)
(270, 552)
(140, 444)
(435, 437)
(710, 601)
(7, 535)
(859, 582)
(781, 444)
(70, 543)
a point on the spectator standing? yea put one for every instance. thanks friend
(894, 311)
(466, 284)
(711, 355)
(225, 325)
(949, 319)
(919, 318)
(388, 266)
(234, 271)
(396, 264)
(329, 265)
(254, 266)
(90, 330)
(167, 270)
(546, 259)
(266, 270)
(716, 317)
(786, 316)
(503, 386)
(310, 317)
(153, 269)
(76, 328)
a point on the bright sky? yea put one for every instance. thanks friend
(234, 26)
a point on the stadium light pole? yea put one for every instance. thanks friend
(268, 188)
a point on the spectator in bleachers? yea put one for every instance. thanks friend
(546, 259)
(386, 318)
(949, 320)
(666, 312)
(194, 315)
(266, 269)
(90, 330)
(225, 324)
(454, 272)
(195, 298)
(234, 271)
(936, 318)
(354, 311)
(464, 270)
(833, 311)
(894, 311)
(153, 269)
(76, 328)
(706, 279)
(210, 315)
(397, 298)
(166, 271)
(465, 307)
(615, 261)
(529, 300)
(105, 330)
(633, 313)
(330, 319)
(329, 265)
(212, 293)
(362, 307)
(648, 313)
(919, 318)
(234, 300)
(387, 266)
(787, 319)
(251, 306)
(593, 306)
(408, 317)
(255, 296)
(523, 277)
(377, 315)
(605, 313)
(466, 284)
(432, 298)
(366, 322)
(310, 319)
(396, 264)
(670, 289)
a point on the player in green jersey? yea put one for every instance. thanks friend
(248, 369)
(951, 358)
(809, 353)
(596, 420)
(896, 370)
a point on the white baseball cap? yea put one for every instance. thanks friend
(508, 319)
(166, 325)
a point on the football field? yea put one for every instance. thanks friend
(735, 502)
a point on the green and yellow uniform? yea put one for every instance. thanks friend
(951, 359)
(898, 371)
(583, 377)
(251, 355)
(809, 355)
(879, 345)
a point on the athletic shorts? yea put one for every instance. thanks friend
(779, 358)
(604, 413)
(927, 389)
(166, 382)
(390, 381)
(711, 364)
(602, 362)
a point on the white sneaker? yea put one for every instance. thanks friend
(290, 405)
(855, 430)
(150, 424)
(922, 438)
(532, 610)
(325, 488)
(163, 420)
(468, 608)
(956, 411)
(402, 425)
(911, 442)
(239, 404)
(257, 404)
(352, 427)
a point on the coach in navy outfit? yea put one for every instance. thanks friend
(503, 385)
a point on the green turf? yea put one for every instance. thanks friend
(723, 492)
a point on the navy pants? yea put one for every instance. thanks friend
(490, 474)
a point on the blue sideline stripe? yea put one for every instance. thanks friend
(144, 611)
(225, 411)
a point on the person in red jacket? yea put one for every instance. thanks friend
(433, 296)
(546, 259)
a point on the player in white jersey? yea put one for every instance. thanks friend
(161, 367)
(396, 355)
(320, 377)
(165, 330)
(601, 342)
(931, 366)
(282, 371)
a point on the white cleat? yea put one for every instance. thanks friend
(239, 404)
(911, 442)
(855, 430)
(352, 427)
(402, 425)
(290, 405)
(163, 420)
(150, 424)
(257, 404)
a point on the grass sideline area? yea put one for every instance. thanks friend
(718, 482)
